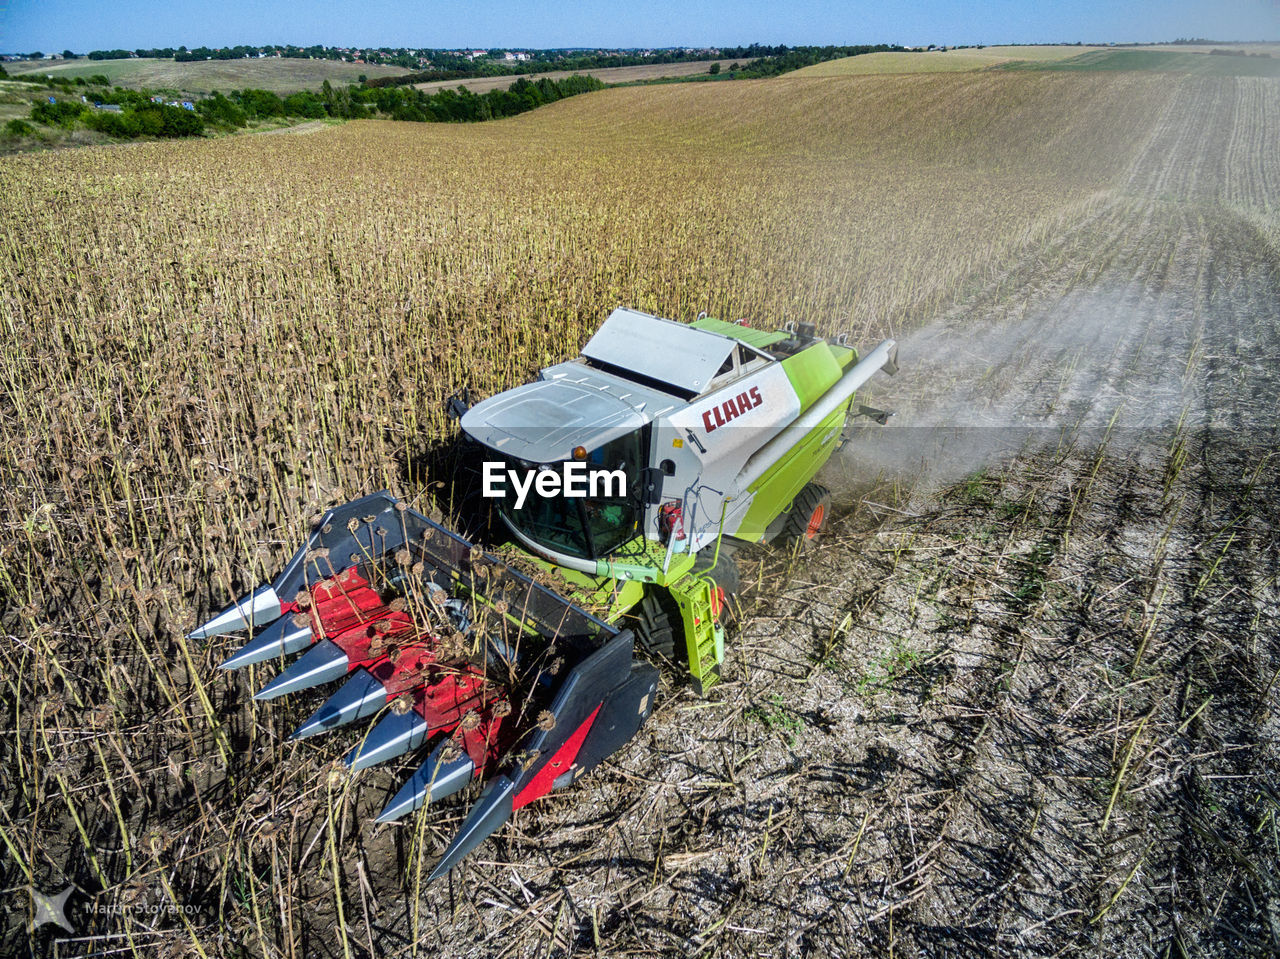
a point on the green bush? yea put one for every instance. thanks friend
(152, 120)
(459, 105)
(62, 113)
(304, 104)
(259, 104)
(177, 122)
(218, 109)
(113, 124)
(19, 128)
(157, 120)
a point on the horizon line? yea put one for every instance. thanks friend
(1180, 41)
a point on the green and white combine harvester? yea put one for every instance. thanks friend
(626, 478)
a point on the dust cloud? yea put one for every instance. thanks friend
(1178, 336)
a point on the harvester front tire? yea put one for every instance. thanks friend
(657, 624)
(807, 517)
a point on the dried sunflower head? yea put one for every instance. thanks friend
(402, 704)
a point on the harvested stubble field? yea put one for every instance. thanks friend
(940, 61)
(283, 75)
(1022, 699)
(633, 74)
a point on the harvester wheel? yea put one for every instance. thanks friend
(808, 515)
(657, 624)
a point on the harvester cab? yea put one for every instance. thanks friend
(627, 474)
(714, 431)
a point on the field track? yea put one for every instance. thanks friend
(1182, 58)
(1020, 700)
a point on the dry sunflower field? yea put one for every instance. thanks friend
(1020, 700)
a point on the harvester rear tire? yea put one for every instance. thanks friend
(657, 624)
(807, 517)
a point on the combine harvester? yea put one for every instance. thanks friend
(700, 436)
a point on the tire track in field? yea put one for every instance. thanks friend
(1176, 329)
(1186, 158)
(988, 882)
(1170, 869)
(1216, 792)
(1059, 356)
(1021, 862)
(1251, 150)
(1215, 143)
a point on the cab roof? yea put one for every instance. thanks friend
(571, 405)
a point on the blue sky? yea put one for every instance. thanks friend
(82, 25)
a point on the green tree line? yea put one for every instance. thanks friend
(397, 103)
(138, 117)
(763, 61)
(775, 64)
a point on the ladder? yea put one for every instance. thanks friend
(704, 636)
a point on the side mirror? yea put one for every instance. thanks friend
(459, 403)
(651, 485)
